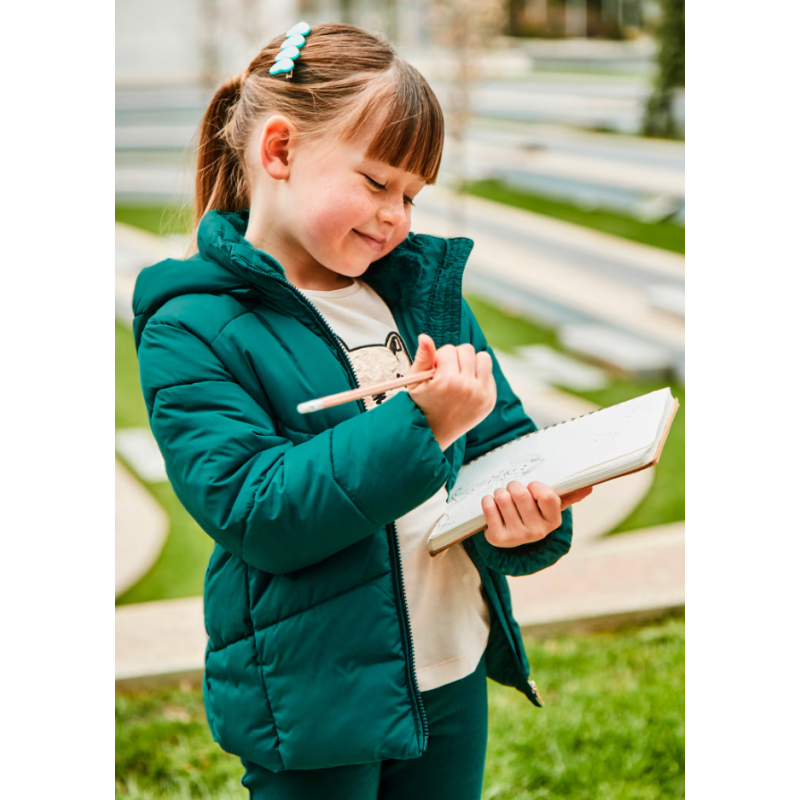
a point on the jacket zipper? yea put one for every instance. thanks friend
(397, 562)
(401, 595)
(409, 641)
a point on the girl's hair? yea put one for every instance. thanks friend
(344, 79)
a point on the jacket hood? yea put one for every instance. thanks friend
(226, 263)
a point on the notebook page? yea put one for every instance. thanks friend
(554, 454)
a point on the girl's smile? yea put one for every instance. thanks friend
(372, 241)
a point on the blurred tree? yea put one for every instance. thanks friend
(594, 19)
(659, 119)
(465, 28)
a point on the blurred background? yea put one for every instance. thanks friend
(564, 162)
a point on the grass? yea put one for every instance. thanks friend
(666, 235)
(612, 728)
(180, 569)
(161, 220)
(665, 502)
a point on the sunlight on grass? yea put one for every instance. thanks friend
(612, 727)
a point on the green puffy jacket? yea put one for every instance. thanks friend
(310, 659)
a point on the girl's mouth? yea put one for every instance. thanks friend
(369, 241)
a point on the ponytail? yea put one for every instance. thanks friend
(221, 182)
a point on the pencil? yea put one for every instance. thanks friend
(363, 391)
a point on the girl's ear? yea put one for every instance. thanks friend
(277, 137)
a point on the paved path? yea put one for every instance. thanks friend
(141, 528)
(602, 580)
(141, 525)
(159, 643)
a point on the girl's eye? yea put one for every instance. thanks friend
(377, 185)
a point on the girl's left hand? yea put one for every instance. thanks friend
(519, 514)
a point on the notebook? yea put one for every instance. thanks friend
(584, 451)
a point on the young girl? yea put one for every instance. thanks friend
(343, 660)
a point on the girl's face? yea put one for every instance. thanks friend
(339, 210)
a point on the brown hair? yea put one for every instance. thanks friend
(344, 78)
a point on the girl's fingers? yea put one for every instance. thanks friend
(508, 510)
(446, 361)
(526, 507)
(519, 511)
(483, 366)
(575, 497)
(548, 501)
(493, 519)
(466, 359)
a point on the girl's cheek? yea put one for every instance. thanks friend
(336, 212)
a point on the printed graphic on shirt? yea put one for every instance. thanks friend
(374, 363)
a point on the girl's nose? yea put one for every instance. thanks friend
(393, 211)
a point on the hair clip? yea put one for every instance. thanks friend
(290, 49)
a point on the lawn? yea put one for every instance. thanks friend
(161, 220)
(180, 569)
(612, 727)
(666, 235)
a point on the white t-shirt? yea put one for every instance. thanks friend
(449, 616)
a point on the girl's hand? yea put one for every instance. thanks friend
(519, 514)
(461, 394)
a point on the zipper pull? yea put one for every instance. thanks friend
(535, 691)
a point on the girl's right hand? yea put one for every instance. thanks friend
(461, 394)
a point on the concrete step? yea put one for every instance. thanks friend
(558, 272)
(141, 529)
(623, 353)
(630, 575)
(160, 644)
(139, 449)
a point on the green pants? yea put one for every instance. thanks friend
(451, 768)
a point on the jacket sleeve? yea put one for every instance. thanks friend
(506, 422)
(277, 505)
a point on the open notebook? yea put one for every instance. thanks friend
(584, 451)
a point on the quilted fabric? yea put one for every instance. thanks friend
(310, 660)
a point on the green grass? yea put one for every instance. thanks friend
(666, 235)
(612, 728)
(161, 220)
(180, 568)
(665, 502)
(164, 749)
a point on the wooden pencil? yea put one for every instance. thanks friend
(364, 391)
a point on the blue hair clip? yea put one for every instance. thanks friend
(290, 49)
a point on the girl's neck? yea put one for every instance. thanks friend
(300, 268)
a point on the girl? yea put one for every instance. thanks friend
(343, 661)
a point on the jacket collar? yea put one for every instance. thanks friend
(422, 271)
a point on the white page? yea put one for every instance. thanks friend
(554, 454)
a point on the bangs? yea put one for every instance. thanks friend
(410, 135)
